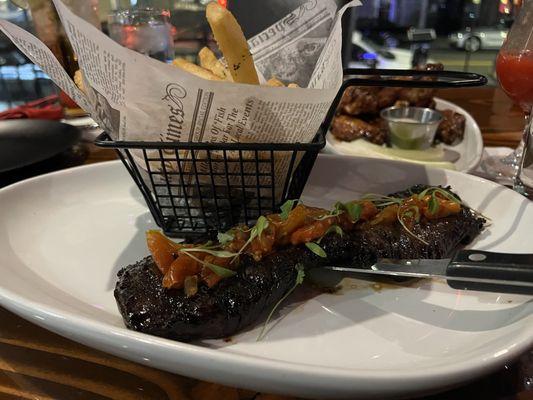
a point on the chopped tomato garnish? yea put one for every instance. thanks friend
(369, 210)
(263, 244)
(163, 250)
(182, 267)
(298, 217)
(209, 277)
(209, 264)
(312, 231)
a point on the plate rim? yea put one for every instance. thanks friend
(73, 138)
(60, 321)
(477, 133)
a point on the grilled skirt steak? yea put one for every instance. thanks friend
(238, 301)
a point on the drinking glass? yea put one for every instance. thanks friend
(145, 30)
(514, 67)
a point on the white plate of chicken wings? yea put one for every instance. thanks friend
(463, 156)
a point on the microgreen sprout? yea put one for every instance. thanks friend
(300, 275)
(410, 212)
(334, 228)
(315, 248)
(381, 200)
(256, 231)
(217, 269)
(438, 190)
(433, 204)
(354, 210)
(216, 253)
(286, 208)
(225, 237)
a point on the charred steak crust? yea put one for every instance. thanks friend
(237, 302)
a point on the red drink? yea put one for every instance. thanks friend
(515, 73)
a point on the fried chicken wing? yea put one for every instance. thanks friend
(359, 100)
(451, 128)
(419, 97)
(387, 96)
(348, 128)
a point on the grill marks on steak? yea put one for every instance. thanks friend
(237, 302)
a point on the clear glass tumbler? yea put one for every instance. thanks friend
(145, 30)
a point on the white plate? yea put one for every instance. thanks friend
(64, 236)
(470, 149)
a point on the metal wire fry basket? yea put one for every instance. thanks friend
(197, 189)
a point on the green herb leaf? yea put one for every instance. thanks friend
(335, 228)
(338, 207)
(220, 271)
(448, 195)
(423, 193)
(315, 248)
(256, 231)
(225, 237)
(433, 204)
(216, 253)
(408, 214)
(354, 211)
(434, 190)
(261, 225)
(286, 208)
(300, 275)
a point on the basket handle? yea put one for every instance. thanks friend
(445, 79)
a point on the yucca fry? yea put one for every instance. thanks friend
(293, 85)
(275, 82)
(209, 61)
(231, 41)
(195, 69)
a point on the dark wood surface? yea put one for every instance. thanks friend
(501, 122)
(37, 364)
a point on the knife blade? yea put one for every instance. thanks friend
(467, 269)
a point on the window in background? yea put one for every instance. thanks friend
(461, 34)
(20, 80)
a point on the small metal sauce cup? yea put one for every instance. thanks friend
(412, 127)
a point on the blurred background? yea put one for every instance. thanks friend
(461, 34)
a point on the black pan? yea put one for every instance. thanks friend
(27, 141)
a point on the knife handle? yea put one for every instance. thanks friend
(494, 266)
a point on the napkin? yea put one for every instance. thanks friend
(483, 169)
(45, 108)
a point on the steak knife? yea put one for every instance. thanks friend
(467, 269)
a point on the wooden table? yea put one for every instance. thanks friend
(501, 122)
(37, 364)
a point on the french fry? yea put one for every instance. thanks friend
(209, 61)
(232, 43)
(78, 80)
(275, 82)
(293, 85)
(195, 69)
